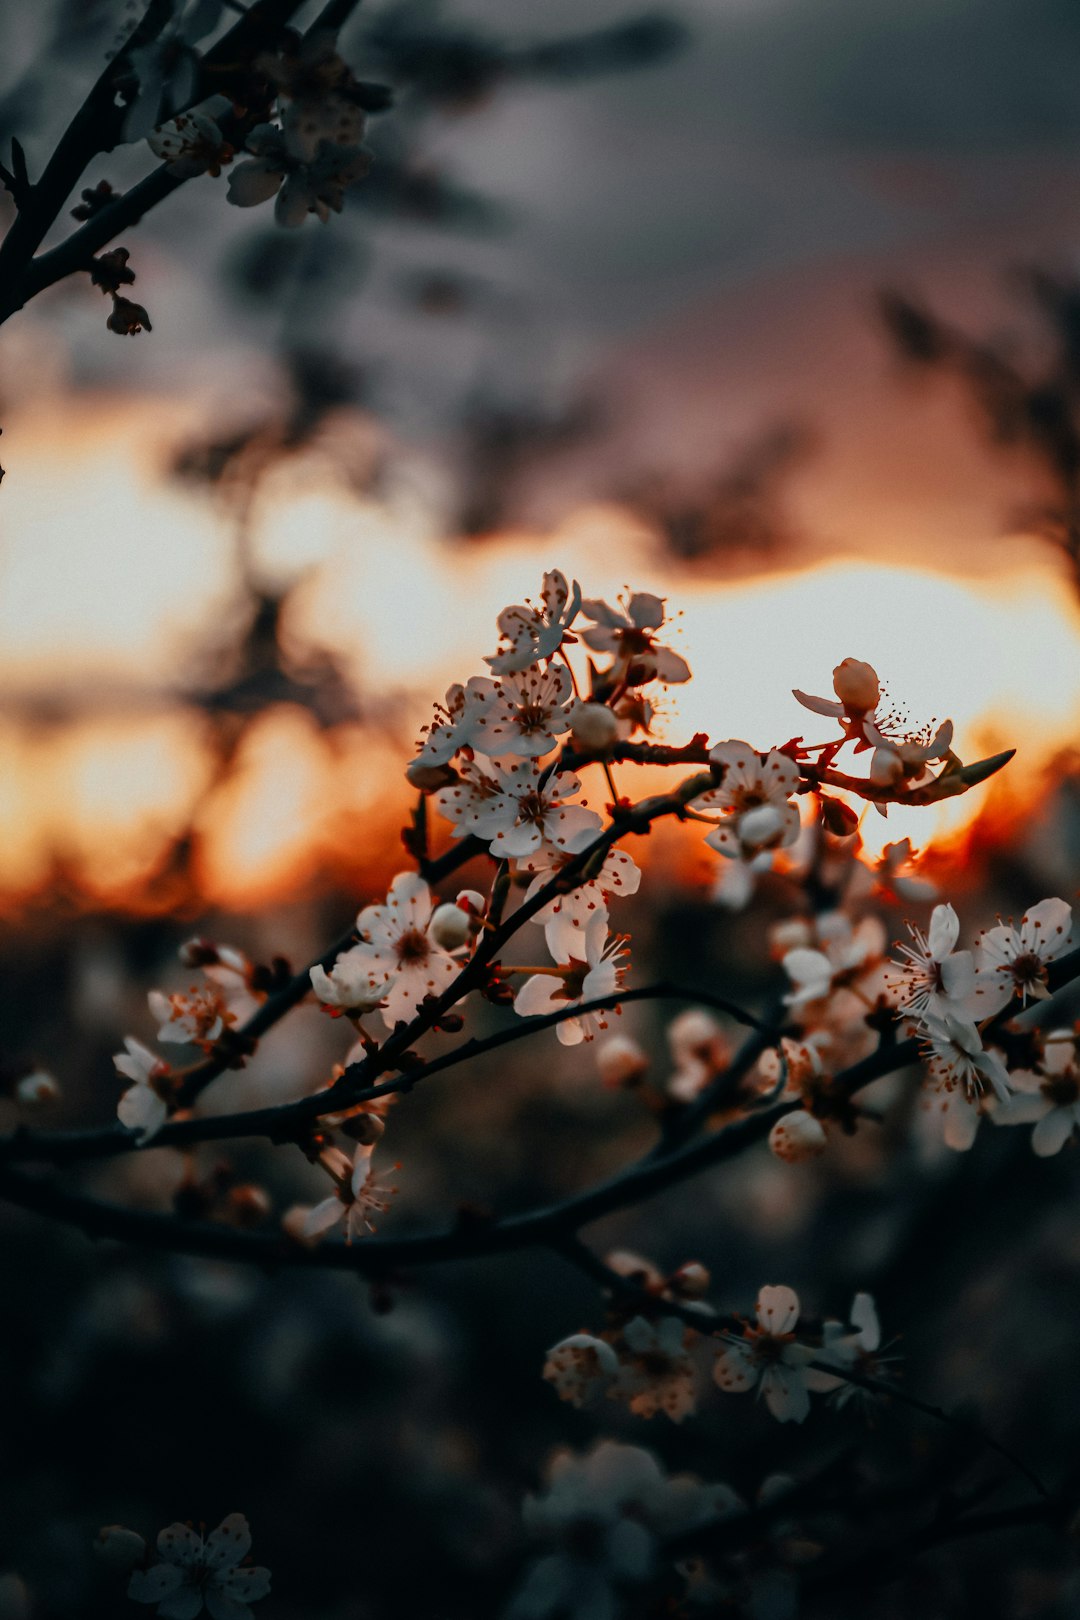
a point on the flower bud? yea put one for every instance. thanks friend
(471, 900)
(621, 1061)
(451, 927)
(692, 1280)
(798, 1136)
(128, 318)
(115, 1544)
(856, 685)
(694, 1033)
(429, 778)
(593, 726)
(633, 1266)
(838, 818)
(760, 828)
(248, 1204)
(38, 1090)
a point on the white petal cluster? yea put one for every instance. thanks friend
(193, 1573)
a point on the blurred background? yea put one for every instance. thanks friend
(772, 308)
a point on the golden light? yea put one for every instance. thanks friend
(111, 578)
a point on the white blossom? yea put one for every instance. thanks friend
(193, 1573)
(589, 976)
(770, 1357)
(1014, 962)
(530, 712)
(933, 976)
(566, 918)
(1049, 1097)
(533, 633)
(627, 632)
(353, 984)
(357, 1195)
(143, 1108)
(191, 143)
(656, 1371)
(755, 794)
(581, 1368)
(512, 808)
(396, 945)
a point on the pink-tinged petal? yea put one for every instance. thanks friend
(1053, 1131)
(734, 755)
(786, 1394)
(1045, 928)
(886, 767)
(961, 1123)
(539, 995)
(734, 1371)
(620, 873)
(777, 1309)
(941, 741)
(826, 706)
(151, 1585)
(944, 932)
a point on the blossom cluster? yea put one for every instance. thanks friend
(655, 1361)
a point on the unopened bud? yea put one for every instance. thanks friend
(38, 1090)
(451, 927)
(760, 828)
(856, 685)
(119, 1546)
(248, 1204)
(429, 778)
(621, 1061)
(692, 1280)
(798, 1136)
(693, 1033)
(632, 1266)
(838, 818)
(593, 726)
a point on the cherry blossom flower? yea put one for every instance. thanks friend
(534, 633)
(589, 976)
(855, 1348)
(530, 712)
(194, 1572)
(933, 976)
(322, 93)
(37, 1091)
(192, 143)
(844, 954)
(904, 759)
(1048, 1098)
(957, 1061)
(896, 880)
(397, 946)
(656, 1371)
(628, 636)
(857, 689)
(355, 1198)
(312, 186)
(755, 792)
(700, 1049)
(581, 1368)
(621, 1061)
(769, 1356)
(353, 984)
(128, 318)
(515, 810)
(455, 720)
(566, 918)
(199, 1016)
(144, 1107)
(1014, 962)
(604, 1514)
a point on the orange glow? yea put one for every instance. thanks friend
(112, 580)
